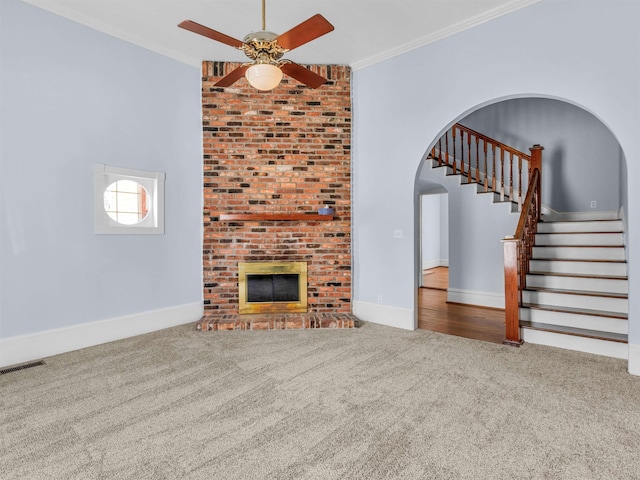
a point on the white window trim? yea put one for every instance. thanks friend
(153, 182)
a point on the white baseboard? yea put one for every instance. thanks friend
(634, 359)
(384, 315)
(471, 297)
(35, 346)
(435, 263)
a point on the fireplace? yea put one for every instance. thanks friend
(272, 287)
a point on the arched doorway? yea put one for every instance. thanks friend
(584, 174)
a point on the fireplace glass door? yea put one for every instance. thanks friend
(268, 287)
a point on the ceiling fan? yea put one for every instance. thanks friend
(266, 50)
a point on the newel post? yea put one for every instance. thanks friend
(536, 162)
(511, 293)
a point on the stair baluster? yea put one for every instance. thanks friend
(493, 171)
(477, 160)
(453, 140)
(519, 182)
(469, 179)
(501, 175)
(486, 176)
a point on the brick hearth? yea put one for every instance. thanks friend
(281, 152)
(277, 322)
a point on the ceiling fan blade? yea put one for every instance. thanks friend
(232, 77)
(308, 30)
(210, 33)
(302, 74)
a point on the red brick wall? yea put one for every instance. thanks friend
(287, 150)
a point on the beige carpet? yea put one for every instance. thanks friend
(367, 403)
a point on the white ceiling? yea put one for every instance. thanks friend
(366, 31)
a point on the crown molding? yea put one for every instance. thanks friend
(441, 34)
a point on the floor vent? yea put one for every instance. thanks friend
(21, 367)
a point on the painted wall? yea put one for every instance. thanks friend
(576, 144)
(431, 242)
(444, 228)
(549, 50)
(476, 226)
(435, 230)
(72, 97)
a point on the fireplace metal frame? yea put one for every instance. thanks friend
(272, 268)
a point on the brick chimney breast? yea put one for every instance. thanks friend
(286, 151)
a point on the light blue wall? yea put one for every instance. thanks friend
(576, 146)
(476, 226)
(431, 242)
(72, 97)
(583, 52)
(435, 230)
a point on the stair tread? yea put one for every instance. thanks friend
(578, 292)
(578, 311)
(578, 275)
(580, 332)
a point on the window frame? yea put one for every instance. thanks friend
(153, 182)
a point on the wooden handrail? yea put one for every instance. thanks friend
(503, 177)
(528, 205)
(518, 250)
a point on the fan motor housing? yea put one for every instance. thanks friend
(262, 45)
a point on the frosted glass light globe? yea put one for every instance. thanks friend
(263, 76)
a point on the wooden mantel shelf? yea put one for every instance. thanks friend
(231, 217)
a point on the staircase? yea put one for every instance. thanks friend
(576, 288)
(565, 281)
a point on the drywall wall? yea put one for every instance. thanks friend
(475, 227)
(576, 146)
(431, 241)
(435, 230)
(546, 50)
(73, 97)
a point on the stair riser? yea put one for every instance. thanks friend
(574, 320)
(602, 285)
(607, 304)
(579, 268)
(570, 227)
(582, 253)
(580, 344)
(598, 239)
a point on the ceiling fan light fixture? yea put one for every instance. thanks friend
(263, 76)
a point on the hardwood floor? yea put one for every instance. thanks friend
(436, 278)
(435, 314)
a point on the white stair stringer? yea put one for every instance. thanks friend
(477, 180)
(576, 294)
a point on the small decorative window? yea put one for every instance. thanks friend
(128, 201)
